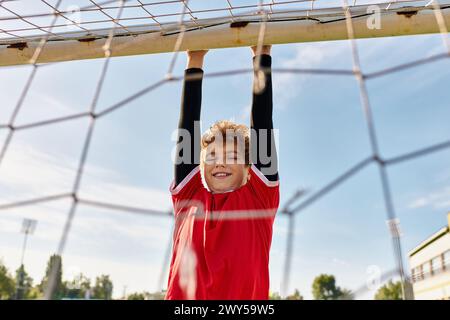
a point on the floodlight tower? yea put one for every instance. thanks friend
(28, 227)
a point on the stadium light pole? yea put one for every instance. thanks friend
(28, 227)
(289, 240)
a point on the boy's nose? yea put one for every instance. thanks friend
(220, 160)
(220, 164)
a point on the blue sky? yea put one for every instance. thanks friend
(321, 134)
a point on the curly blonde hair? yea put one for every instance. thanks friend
(227, 130)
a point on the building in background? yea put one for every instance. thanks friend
(430, 266)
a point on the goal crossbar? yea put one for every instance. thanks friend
(395, 19)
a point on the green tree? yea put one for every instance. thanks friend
(274, 296)
(77, 287)
(103, 288)
(295, 296)
(157, 295)
(54, 264)
(346, 295)
(138, 296)
(390, 291)
(7, 285)
(35, 293)
(147, 296)
(324, 288)
(24, 284)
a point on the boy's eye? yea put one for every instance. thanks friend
(209, 159)
(234, 158)
(230, 158)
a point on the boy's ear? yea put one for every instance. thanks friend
(248, 172)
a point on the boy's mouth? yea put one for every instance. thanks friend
(221, 175)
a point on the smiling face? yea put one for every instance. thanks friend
(224, 167)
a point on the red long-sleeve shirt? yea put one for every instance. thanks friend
(228, 258)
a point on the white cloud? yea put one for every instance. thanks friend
(306, 56)
(439, 199)
(30, 172)
(340, 262)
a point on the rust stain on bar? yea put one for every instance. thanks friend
(18, 45)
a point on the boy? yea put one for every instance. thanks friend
(224, 207)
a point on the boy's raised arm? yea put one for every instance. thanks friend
(261, 119)
(190, 114)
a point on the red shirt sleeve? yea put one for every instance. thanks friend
(268, 192)
(183, 193)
